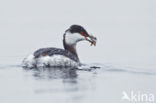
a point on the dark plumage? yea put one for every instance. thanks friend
(78, 29)
(54, 51)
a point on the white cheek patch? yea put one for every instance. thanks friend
(73, 38)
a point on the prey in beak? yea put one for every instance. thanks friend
(90, 38)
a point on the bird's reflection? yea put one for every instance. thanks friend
(60, 80)
(54, 73)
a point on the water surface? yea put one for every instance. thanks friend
(70, 85)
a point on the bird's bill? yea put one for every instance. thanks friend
(91, 39)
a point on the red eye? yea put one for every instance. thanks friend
(83, 34)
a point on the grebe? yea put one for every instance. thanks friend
(56, 57)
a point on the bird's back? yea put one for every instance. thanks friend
(54, 51)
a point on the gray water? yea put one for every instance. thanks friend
(125, 51)
(69, 85)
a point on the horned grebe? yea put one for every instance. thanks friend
(56, 57)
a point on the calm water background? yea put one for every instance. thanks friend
(125, 51)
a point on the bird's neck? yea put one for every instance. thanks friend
(71, 48)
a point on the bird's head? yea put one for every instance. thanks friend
(77, 33)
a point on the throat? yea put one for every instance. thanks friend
(71, 48)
